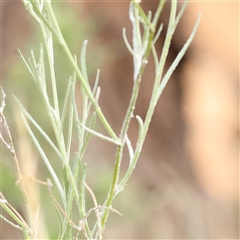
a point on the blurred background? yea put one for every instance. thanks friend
(185, 185)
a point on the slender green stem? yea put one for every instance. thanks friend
(158, 13)
(128, 117)
(47, 36)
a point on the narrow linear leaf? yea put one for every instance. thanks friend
(65, 180)
(36, 68)
(33, 60)
(97, 134)
(70, 121)
(158, 13)
(42, 69)
(147, 30)
(172, 17)
(149, 16)
(130, 149)
(178, 58)
(134, 159)
(83, 64)
(145, 41)
(97, 95)
(27, 66)
(95, 88)
(96, 82)
(70, 127)
(41, 131)
(155, 57)
(66, 99)
(127, 43)
(88, 136)
(140, 131)
(83, 189)
(46, 161)
(78, 165)
(181, 13)
(158, 33)
(137, 39)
